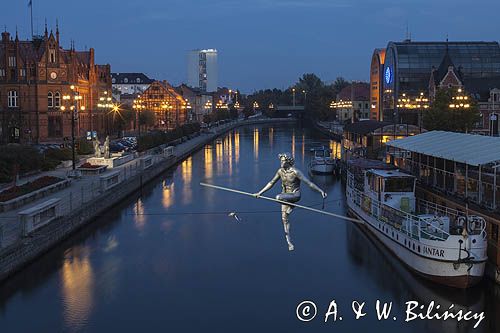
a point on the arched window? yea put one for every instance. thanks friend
(57, 99)
(12, 99)
(50, 99)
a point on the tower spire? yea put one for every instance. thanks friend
(57, 31)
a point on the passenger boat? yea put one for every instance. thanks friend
(322, 162)
(440, 244)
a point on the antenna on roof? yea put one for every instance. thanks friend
(408, 34)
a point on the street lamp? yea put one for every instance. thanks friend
(293, 94)
(138, 106)
(105, 103)
(73, 107)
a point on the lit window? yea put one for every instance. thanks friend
(12, 99)
(2, 72)
(22, 72)
(57, 99)
(50, 99)
(12, 61)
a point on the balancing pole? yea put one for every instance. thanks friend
(283, 202)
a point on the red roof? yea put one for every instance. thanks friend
(360, 91)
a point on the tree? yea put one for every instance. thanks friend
(147, 118)
(441, 116)
(339, 84)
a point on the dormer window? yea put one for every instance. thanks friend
(138, 80)
(125, 80)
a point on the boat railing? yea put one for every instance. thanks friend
(429, 207)
(413, 226)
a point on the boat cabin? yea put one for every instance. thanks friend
(321, 152)
(392, 188)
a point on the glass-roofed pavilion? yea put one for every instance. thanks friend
(408, 66)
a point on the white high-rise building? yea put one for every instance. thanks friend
(202, 69)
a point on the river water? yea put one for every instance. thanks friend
(170, 259)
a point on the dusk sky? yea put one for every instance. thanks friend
(261, 43)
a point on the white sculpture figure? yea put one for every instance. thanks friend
(97, 148)
(107, 153)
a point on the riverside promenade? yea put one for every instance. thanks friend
(89, 196)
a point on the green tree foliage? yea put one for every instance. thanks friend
(147, 118)
(441, 116)
(156, 138)
(310, 91)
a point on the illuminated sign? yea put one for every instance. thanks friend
(388, 75)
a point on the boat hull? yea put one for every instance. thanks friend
(447, 273)
(322, 168)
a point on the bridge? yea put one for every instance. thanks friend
(290, 111)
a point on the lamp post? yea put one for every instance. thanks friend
(73, 106)
(460, 102)
(293, 94)
(105, 103)
(138, 106)
(255, 106)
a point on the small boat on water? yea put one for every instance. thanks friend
(322, 161)
(441, 244)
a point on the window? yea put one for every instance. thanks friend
(52, 56)
(12, 61)
(113, 80)
(125, 80)
(50, 99)
(138, 80)
(2, 72)
(22, 72)
(12, 99)
(57, 99)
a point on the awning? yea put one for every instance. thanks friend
(470, 149)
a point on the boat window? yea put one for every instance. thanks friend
(399, 184)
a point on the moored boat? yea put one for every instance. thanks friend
(322, 162)
(442, 245)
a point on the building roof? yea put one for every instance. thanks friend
(130, 78)
(364, 127)
(459, 147)
(360, 92)
(443, 69)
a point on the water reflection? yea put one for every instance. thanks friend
(271, 136)
(77, 287)
(139, 216)
(187, 173)
(208, 162)
(167, 194)
(256, 143)
(219, 157)
(335, 148)
(293, 143)
(237, 147)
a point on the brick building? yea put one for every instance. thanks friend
(34, 76)
(169, 107)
